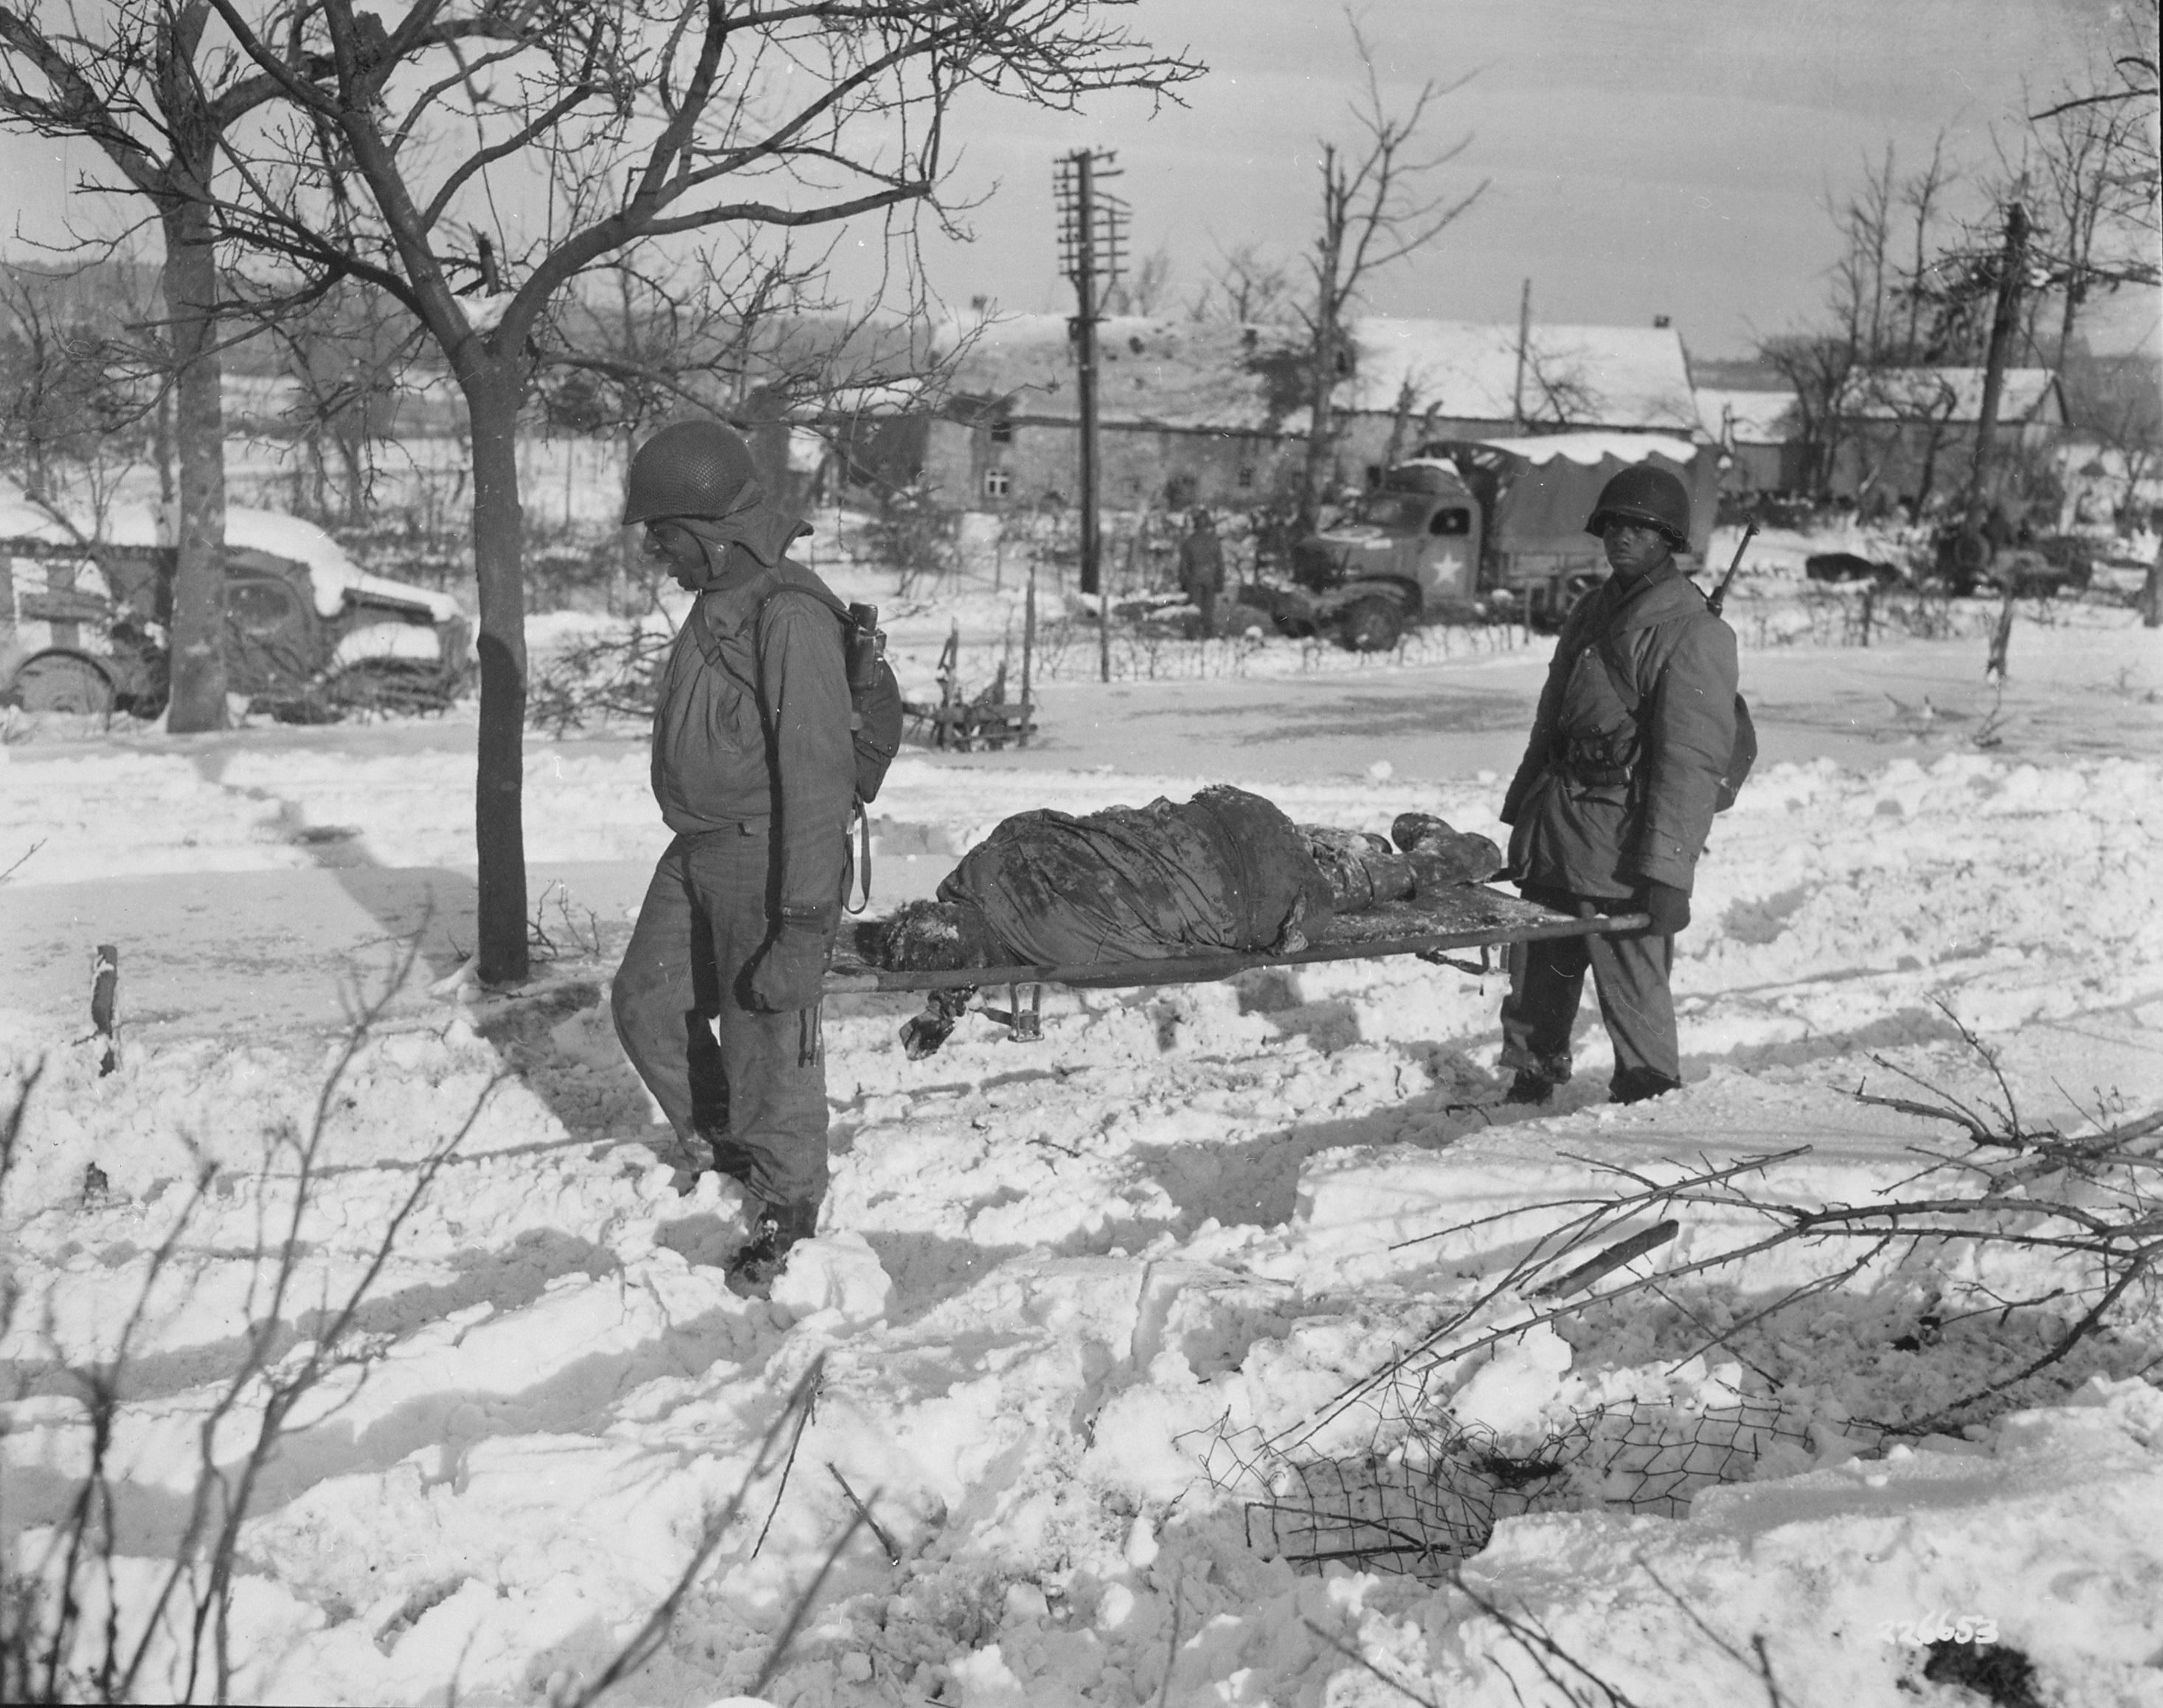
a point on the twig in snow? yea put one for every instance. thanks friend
(1540, 1646)
(14, 866)
(802, 1610)
(1171, 1659)
(650, 1636)
(814, 1377)
(1824, 1283)
(1763, 1667)
(864, 1511)
(190, 1602)
(1613, 1257)
(1361, 1661)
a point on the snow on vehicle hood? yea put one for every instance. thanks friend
(331, 574)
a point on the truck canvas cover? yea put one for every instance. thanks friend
(1540, 491)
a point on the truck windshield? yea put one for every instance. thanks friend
(1399, 512)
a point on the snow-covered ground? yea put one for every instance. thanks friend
(1097, 1320)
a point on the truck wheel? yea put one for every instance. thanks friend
(63, 682)
(1371, 625)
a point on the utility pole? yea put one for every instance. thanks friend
(1092, 232)
(2003, 321)
(1524, 337)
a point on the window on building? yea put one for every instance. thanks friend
(998, 482)
(1002, 432)
(1246, 476)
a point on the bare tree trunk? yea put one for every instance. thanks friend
(162, 447)
(1401, 422)
(1329, 337)
(197, 702)
(492, 397)
(353, 501)
(2151, 592)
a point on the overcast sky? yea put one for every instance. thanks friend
(1646, 156)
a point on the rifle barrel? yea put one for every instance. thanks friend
(1719, 593)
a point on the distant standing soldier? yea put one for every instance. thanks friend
(1201, 568)
(717, 1002)
(1612, 804)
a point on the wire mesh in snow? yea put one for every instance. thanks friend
(1434, 1497)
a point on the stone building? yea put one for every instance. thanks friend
(1199, 413)
(1908, 434)
(1420, 379)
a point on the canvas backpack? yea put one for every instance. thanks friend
(1740, 758)
(875, 707)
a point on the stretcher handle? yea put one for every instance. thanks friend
(1206, 969)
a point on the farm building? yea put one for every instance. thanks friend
(1761, 432)
(1419, 379)
(1192, 412)
(1909, 433)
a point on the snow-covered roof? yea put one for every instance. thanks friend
(1747, 418)
(331, 574)
(1605, 376)
(1150, 372)
(1952, 395)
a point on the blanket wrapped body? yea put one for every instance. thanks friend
(1226, 870)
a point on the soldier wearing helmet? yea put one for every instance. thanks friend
(1201, 569)
(1612, 805)
(717, 1002)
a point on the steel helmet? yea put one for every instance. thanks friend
(1644, 493)
(694, 468)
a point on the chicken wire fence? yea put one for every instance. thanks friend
(1433, 1498)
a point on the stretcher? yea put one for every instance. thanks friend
(1466, 916)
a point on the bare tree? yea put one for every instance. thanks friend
(1560, 393)
(1248, 288)
(1898, 299)
(1146, 290)
(1415, 406)
(144, 81)
(2094, 168)
(2128, 177)
(346, 354)
(77, 398)
(610, 128)
(1817, 367)
(1376, 209)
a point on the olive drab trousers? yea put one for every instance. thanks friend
(1630, 973)
(751, 1085)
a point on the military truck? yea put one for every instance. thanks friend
(83, 628)
(1474, 530)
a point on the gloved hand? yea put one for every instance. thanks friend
(1669, 906)
(787, 974)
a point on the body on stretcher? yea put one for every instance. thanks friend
(1469, 916)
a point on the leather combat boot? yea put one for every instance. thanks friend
(1635, 1084)
(774, 1230)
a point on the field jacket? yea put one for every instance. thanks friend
(1587, 831)
(761, 744)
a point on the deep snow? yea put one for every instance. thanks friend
(1067, 1290)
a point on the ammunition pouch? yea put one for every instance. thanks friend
(1600, 758)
